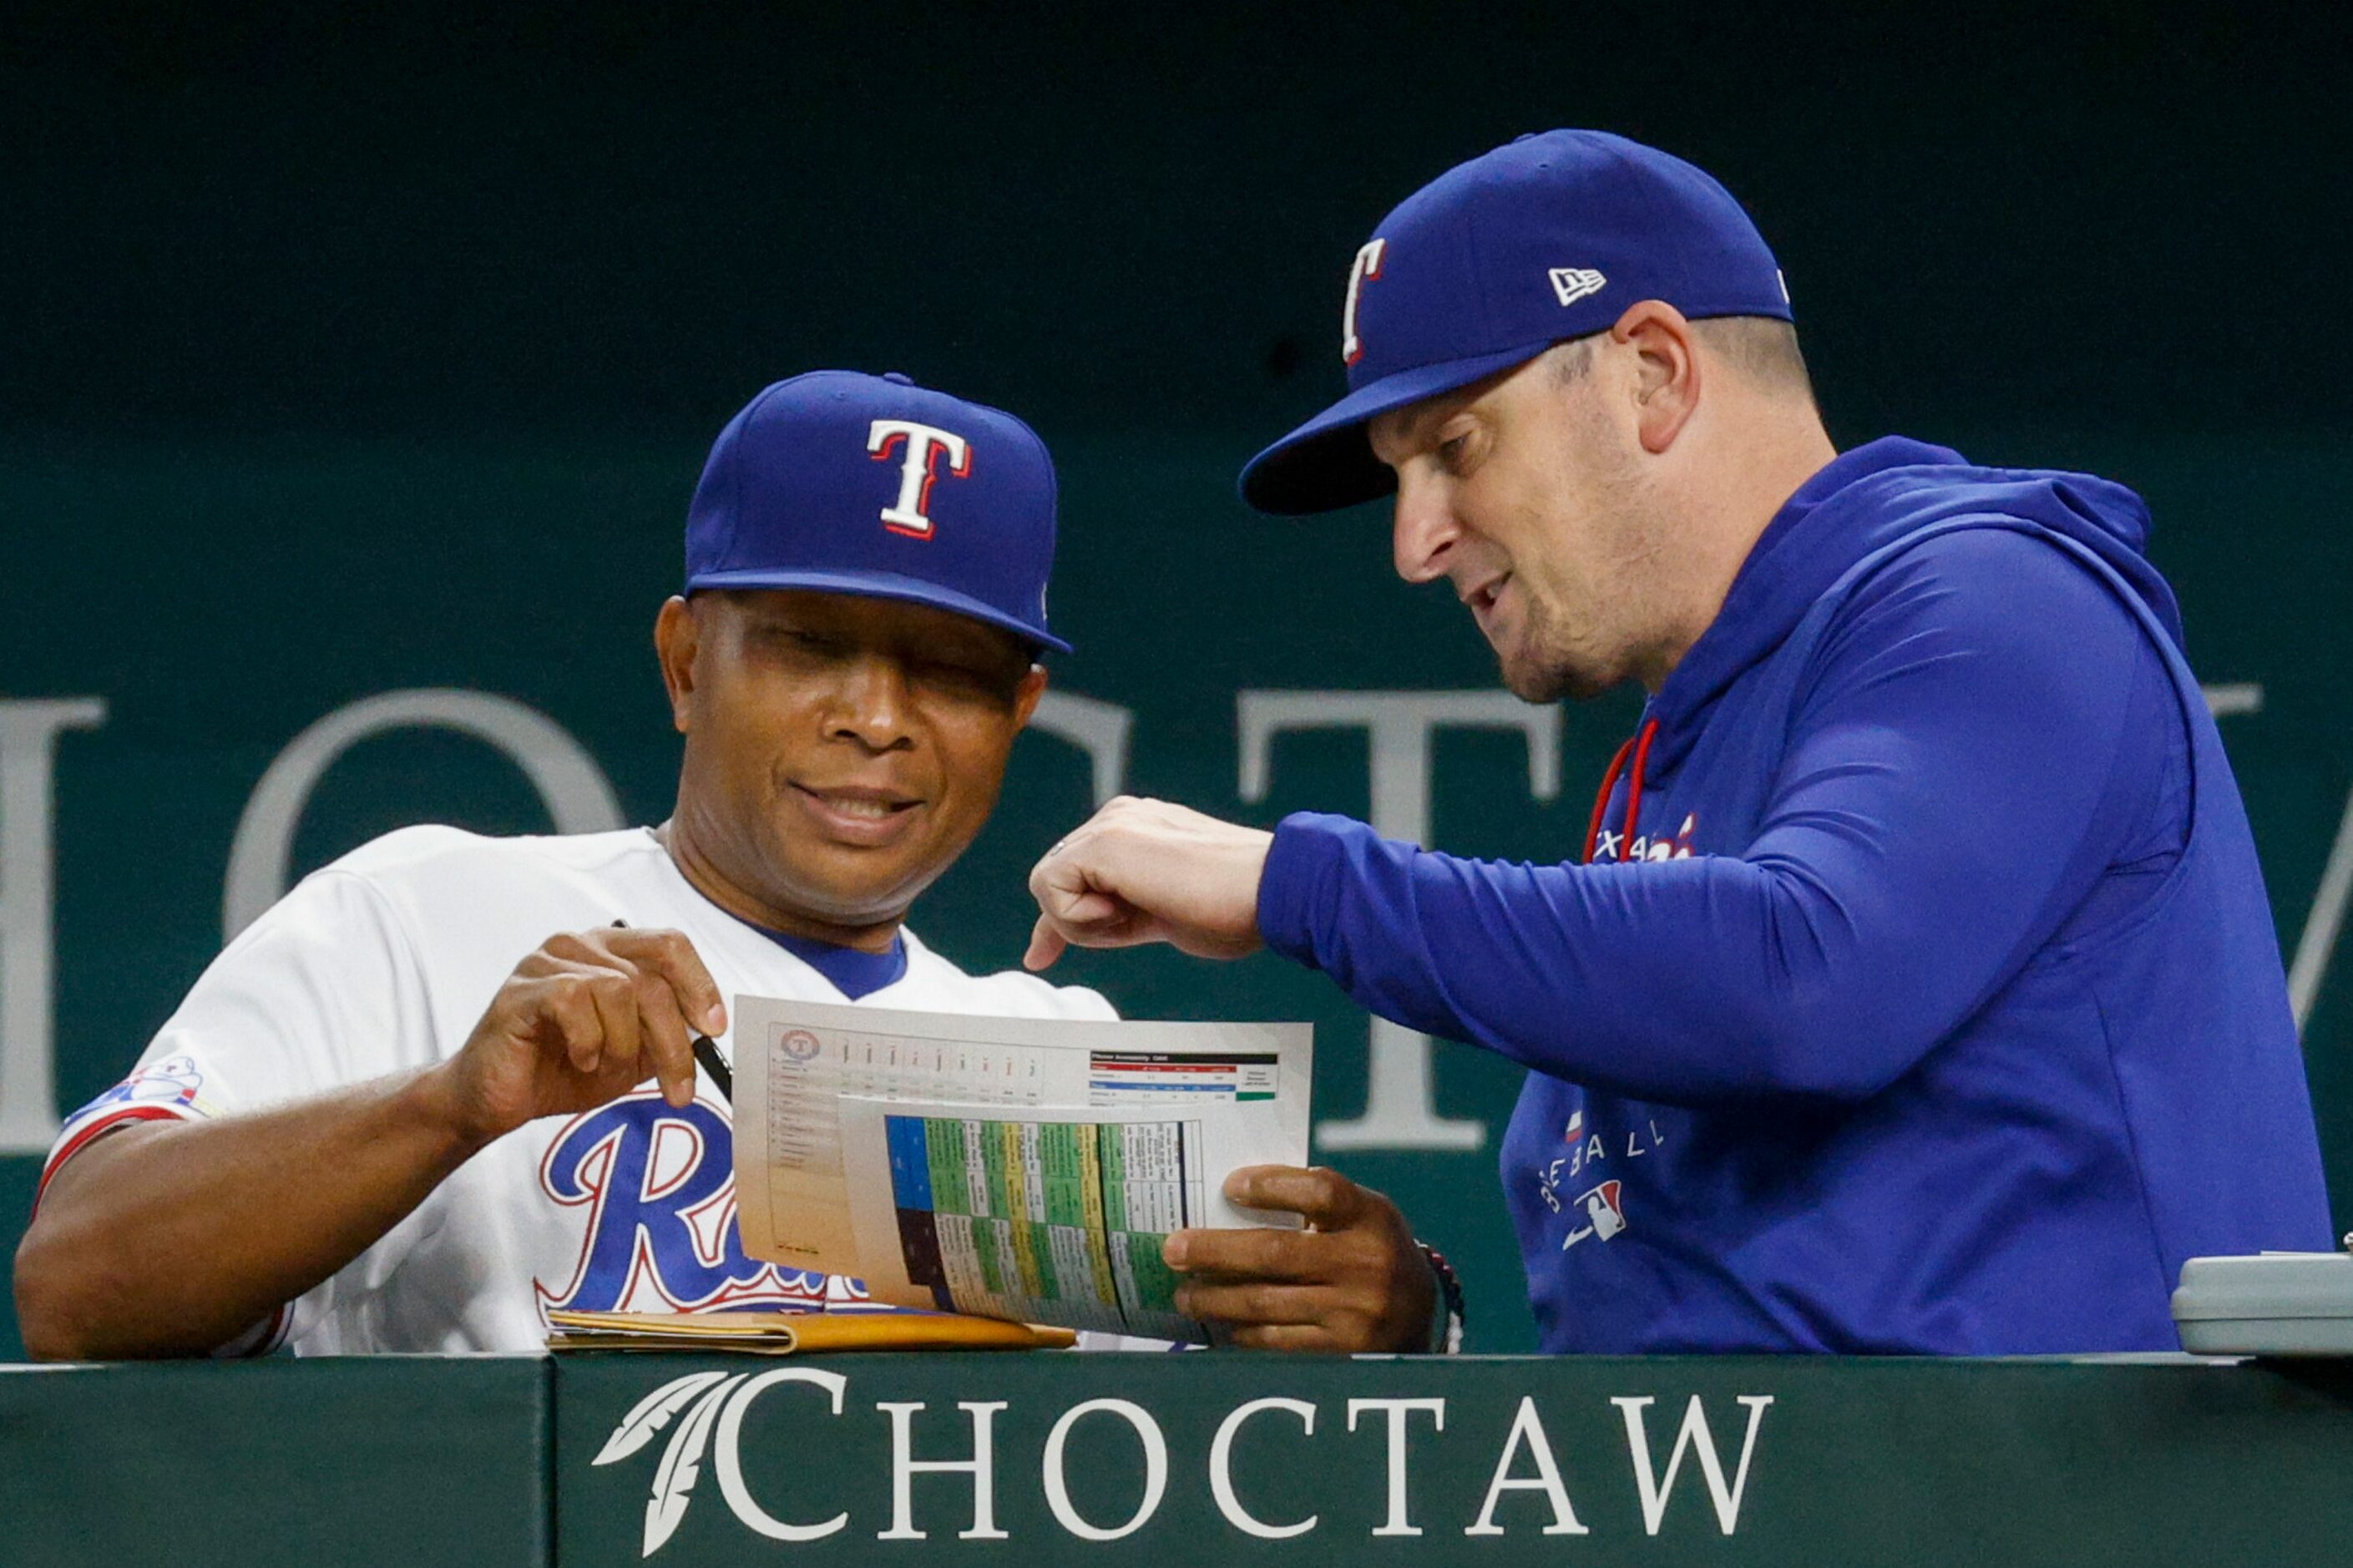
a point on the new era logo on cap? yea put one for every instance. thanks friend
(1574, 283)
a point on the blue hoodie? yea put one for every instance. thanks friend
(1921, 994)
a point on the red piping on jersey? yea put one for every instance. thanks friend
(1639, 747)
(114, 1121)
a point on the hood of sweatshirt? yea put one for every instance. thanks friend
(1860, 502)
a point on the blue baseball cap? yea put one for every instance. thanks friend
(849, 483)
(1546, 239)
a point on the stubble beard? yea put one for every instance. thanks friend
(1547, 667)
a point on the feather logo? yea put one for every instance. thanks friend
(707, 1408)
(650, 1416)
(681, 1463)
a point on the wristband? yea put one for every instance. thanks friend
(1445, 1324)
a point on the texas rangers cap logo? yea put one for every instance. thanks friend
(828, 483)
(910, 513)
(1368, 266)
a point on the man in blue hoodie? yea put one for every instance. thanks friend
(1916, 990)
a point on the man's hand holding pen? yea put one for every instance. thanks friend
(585, 1018)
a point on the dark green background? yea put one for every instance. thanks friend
(338, 359)
(1890, 1460)
(492, 1459)
(410, 1460)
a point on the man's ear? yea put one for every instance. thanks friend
(678, 633)
(1026, 695)
(1666, 371)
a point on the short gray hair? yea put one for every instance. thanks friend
(1761, 349)
(1572, 359)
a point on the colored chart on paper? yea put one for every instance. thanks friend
(1051, 1221)
(1143, 1077)
(1022, 1168)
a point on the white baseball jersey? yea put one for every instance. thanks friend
(384, 962)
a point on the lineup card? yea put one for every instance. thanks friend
(1007, 1167)
(1049, 1222)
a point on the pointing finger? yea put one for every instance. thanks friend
(667, 1039)
(1045, 946)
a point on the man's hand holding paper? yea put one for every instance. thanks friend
(1353, 1280)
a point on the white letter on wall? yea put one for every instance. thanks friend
(1526, 1428)
(1099, 728)
(1221, 1470)
(1155, 1470)
(727, 1457)
(2324, 920)
(1400, 1109)
(904, 1466)
(1694, 1436)
(29, 739)
(567, 778)
(1396, 1409)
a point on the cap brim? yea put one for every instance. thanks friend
(1327, 462)
(882, 585)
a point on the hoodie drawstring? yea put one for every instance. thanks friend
(1639, 747)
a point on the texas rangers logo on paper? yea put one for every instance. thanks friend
(658, 1182)
(923, 447)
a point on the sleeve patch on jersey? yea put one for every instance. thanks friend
(174, 1083)
(168, 1090)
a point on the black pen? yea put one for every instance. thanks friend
(706, 1053)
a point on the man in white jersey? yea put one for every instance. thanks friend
(398, 1114)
